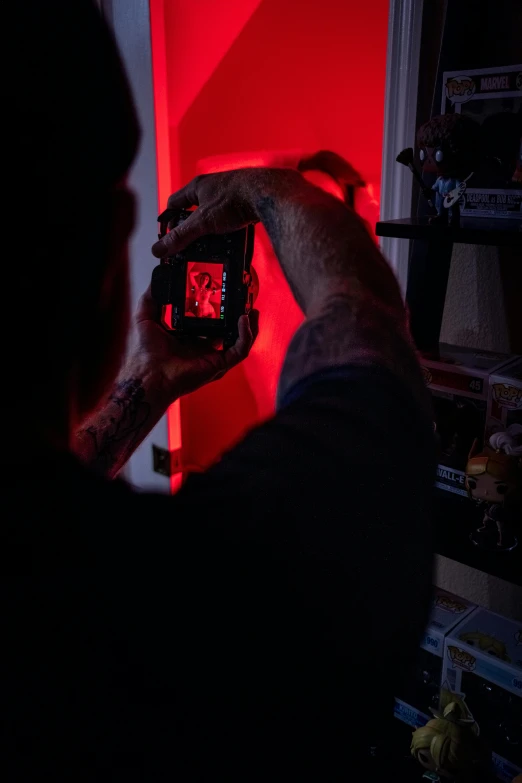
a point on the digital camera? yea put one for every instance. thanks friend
(208, 285)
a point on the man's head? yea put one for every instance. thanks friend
(75, 138)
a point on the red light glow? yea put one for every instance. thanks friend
(260, 83)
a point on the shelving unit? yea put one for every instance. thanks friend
(426, 294)
(455, 521)
(472, 231)
(428, 276)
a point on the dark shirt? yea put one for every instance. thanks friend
(253, 627)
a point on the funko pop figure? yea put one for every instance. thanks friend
(448, 745)
(448, 146)
(494, 479)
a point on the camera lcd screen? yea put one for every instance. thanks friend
(205, 291)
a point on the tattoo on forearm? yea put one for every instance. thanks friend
(347, 334)
(115, 437)
(331, 338)
(347, 291)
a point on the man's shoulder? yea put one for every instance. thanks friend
(339, 427)
(366, 392)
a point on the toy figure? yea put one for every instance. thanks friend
(449, 147)
(494, 478)
(448, 746)
(406, 157)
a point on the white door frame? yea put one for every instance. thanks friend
(400, 108)
(130, 21)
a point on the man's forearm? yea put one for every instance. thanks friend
(350, 297)
(111, 434)
(323, 246)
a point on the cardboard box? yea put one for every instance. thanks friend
(422, 691)
(459, 380)
(505, 398)
(483, 661)
(491, 97)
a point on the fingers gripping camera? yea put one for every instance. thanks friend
(206, 287)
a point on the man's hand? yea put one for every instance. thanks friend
(160, 368)
(226, 202)
(350, 297)
(183, 364)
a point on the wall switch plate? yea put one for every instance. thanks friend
(166, 462)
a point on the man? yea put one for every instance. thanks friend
(143, 641)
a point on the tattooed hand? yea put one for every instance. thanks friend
(161, 367)
(119, 432)
(226, 201)
(182, 365)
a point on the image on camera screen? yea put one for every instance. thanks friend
(205, 290)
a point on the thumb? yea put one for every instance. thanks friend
(248, 327)
(227, 359)
(243, 344)
(179, 237)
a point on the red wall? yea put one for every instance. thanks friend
(303, 75)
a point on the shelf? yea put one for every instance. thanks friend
(472, 231)
(455, 519)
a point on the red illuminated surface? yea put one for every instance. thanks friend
(251, 83)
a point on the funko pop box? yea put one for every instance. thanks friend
(483, 662)
(505, 397)
(422, 690)
(474, 393)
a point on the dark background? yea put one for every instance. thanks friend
(459, 34)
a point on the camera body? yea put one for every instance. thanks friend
(208, 285)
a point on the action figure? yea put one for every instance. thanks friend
(448, 146)
(448, 746)
(494, 478)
